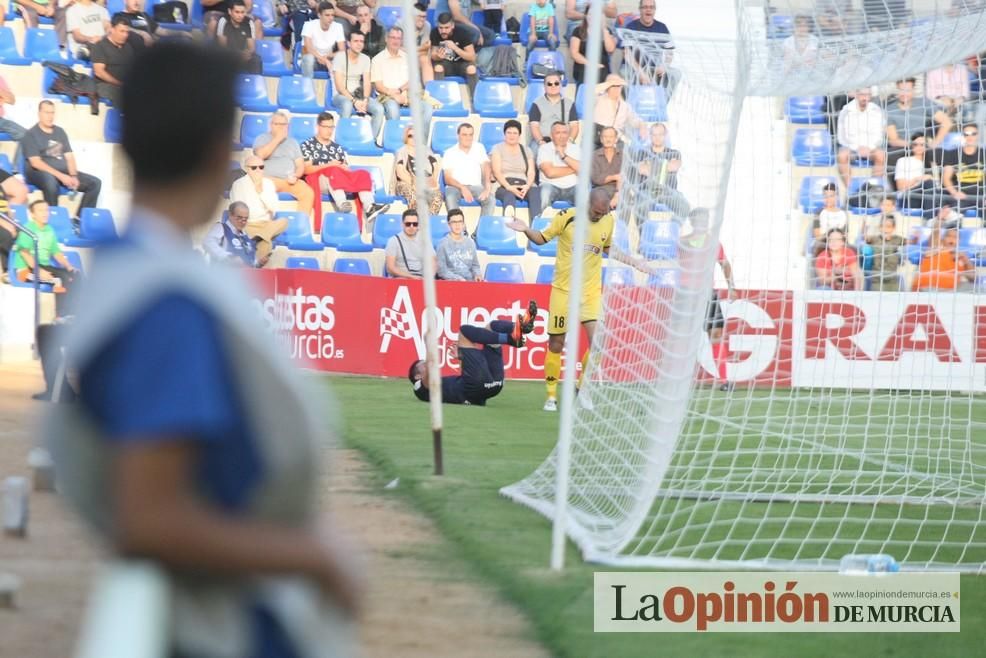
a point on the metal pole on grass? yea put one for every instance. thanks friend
(574, 329)
(431, 329)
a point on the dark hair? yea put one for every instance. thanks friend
(325, 116)
(889, 218)
(119, 18)
(356, 33)
(410, 371)
(237, 3)
(457, 212)
(444, 18)
(31, 205)
(912, 80)
(513, 123)
(919, 133)
(835, 230)
(196, 84)
(559, 123)
(422, 7)
(46, 102)
(322, 6)
(553, 74)
(830, 187)
(464, 124)
(410, 212)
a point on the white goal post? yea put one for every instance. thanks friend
(866, 433)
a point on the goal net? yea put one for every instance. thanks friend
(837, 407)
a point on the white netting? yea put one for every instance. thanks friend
(858, 424)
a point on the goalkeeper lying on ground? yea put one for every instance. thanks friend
(481, 358)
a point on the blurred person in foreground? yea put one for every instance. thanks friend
(193, 444)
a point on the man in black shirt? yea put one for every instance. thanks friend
(113, 55)
(50, 162)
(237, 32)
(481, 358)
(140, 21)
(964, 176)
(453, 52)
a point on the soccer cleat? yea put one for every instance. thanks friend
(527, 322)
(516, 337)
(550, 405)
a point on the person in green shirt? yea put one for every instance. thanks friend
(52, 263)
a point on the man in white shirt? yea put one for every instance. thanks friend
(467, 172)
(558, 166)
(861, 131)
(389, 75)
(829, 217)
(322, 38)
(86, 23)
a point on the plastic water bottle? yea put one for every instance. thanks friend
(873, 563)
(15, 493)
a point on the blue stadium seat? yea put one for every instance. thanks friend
(61, 223)
(383, 227)
(41, 45)
(75, 258)
(659, 240)
(810, 194)
(448, 93)
(552, 59)
(5, 163)
(439, 228)
(443, 135)
(855, 185)
(301, 263)
(812, 147)
(8, 49)
(495, 238)
(97, 225)
(393, 134)
(341, 230)
(548, 249)
(974, 243)
(580, 95)
(546, 273)
(525, 31)
(504, 273)
(391, 15)
(649, 101)
(268, 16)
(380, 193)
(297, 93)
(952, 141)
(663, 278)
(780, 26)
(301, 128)
(494, 100)
(112, 127)
(251, 126)
(114, 6)
(271, 55)
(805, 109)
(491, 134)
(47, 77)
(355, 134)
(352, 266)
(618, 275)
(535, 90)
(298, 235)
(251, 94)
(621, 237)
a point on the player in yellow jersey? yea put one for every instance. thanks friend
(598, 239)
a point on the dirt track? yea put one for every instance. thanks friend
(413, 609)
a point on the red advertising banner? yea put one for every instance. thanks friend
(374, 326)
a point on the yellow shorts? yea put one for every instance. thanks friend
(558, 310)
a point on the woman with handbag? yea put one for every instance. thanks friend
(514, 170)
(404, 174)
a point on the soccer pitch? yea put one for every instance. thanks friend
(508, 545)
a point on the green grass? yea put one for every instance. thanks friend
(508, 545)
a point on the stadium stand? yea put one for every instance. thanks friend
(352, 266)
(301, 263)
(504, 273)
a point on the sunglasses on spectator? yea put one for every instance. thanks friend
(410, 223)
(971, 134)
(255, 166)
(552, 84)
